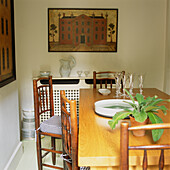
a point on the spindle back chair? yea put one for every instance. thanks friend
(124, 145)
(69, 132)
(43, 104)
(105, 78)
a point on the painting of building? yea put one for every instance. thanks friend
(72, 30)
(7, 43)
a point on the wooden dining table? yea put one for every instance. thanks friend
(99, 145)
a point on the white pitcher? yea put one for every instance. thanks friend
(66, 66)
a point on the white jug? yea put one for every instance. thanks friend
(66, 66)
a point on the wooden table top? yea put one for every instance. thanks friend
(99, 145)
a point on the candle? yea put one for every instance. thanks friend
(130, 78)
(141, 78)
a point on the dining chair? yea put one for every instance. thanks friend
(124, 144)
(70, 125)
(43, 104)
(105, 78)
(69, 132)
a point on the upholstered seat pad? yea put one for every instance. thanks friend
(52, 125)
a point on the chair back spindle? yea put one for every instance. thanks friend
(43, 99)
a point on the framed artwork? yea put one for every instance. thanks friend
(7, 42)
(82, 30)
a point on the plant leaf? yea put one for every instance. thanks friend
(156, 101)
(131, 104)
(118, 116)
(154, 111)
(148, 99)
(130, 96)
(157, 133)
(140, 116)
(163, 108)
(127, 110)
(151, 108)
(148, 108)
(139, 98)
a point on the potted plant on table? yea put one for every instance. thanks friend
(142, 111)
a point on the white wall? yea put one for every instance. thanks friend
(167, 56)
(141, 41)
(9, 122)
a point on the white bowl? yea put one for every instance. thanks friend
(104, 91)
(109, 107)
(28, 114)
(44, 73)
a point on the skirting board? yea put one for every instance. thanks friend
(15, 158)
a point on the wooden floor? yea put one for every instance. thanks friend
(29, 158)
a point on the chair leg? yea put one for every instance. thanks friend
(64, 162)
(54, 148)
(39, 153)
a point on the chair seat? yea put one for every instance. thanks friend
(52, 125)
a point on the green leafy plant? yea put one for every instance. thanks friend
(141, 110)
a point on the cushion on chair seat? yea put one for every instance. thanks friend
(52, 125)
